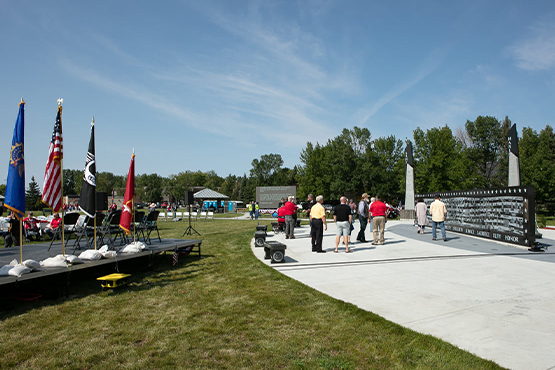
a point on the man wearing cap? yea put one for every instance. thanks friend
(439, 213)
(363, 217)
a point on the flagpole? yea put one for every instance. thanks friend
(95, 231)
(133, 204)
(133, 214)
(21, 221)
(60, 102)
(20, 240)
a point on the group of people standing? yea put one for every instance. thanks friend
(254, 210)
(344, 216)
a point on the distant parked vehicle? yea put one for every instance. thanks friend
(164, 205)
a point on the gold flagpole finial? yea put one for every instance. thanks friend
(93, 120)
(60, 101)
(22, 101)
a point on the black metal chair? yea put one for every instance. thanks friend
(139, 219)
(150, 224)
(86, 230)
(111, 229)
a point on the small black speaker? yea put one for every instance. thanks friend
(189, 198)
(101, 201)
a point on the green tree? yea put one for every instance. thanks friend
(387, 169)
(149, 187)
(486, 144)
(439, 163)
(537, 164)
(315, 173)
(213, 181)
(264, 169)
(73, 179)
(33, 196)
(3, 189)
(108, 182)
(229, 185)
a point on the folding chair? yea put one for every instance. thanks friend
(87, 230)
(150, 224)
(139, 218)
(111, 229)
(210, 215)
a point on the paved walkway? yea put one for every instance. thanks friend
(494, 300)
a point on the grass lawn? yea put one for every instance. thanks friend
(225, 311)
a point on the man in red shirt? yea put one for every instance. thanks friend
(290, 210)
(378, 212)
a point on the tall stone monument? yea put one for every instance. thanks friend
(514, 161)
(408, 212)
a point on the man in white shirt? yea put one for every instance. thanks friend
(439, 213)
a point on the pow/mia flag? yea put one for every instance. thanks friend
(87, 201)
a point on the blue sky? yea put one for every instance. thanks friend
(211, 85)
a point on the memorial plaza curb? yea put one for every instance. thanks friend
(492, 299)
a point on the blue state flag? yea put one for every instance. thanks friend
(15, 187)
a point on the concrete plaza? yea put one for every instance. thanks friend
(492, 299)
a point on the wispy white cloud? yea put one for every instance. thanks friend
(427, 67)
(536, 51)
(131, 91)
(278, 88)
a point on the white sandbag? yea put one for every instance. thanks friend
(33, 265)
(4, 270)
(19, 270)
(135, 247)
(58, 261)
(90, 254)
(103, 249)
(109, 254)
(73, 259)
(14, 262)
(140, 245)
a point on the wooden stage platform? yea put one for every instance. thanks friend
(39, 252)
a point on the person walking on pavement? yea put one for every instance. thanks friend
(378, 210)
(343, 218)
(319, 225)
(439, 214)
(421, 215)
(363, 214)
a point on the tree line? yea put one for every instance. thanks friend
(353, 162)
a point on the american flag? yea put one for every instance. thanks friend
(175, 258)
(52, 185)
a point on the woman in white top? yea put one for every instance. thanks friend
(421, 215)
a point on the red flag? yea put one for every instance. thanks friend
(127, 210)
(52, 185)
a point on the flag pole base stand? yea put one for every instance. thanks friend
(538, 247)
(113, 281)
